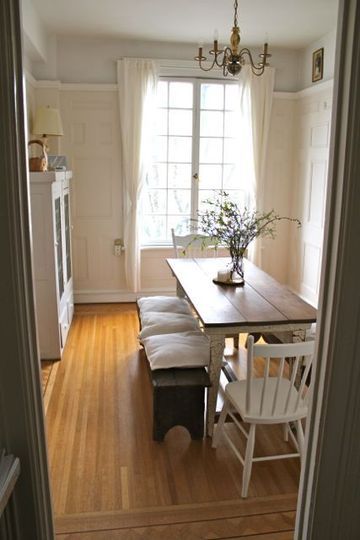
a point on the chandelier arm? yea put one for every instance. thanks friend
(220, 62)
(208, 68)
(246, 51)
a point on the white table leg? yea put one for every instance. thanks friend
(179, 290)
(298, 337)
(217, 345)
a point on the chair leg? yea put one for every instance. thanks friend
(300, 439)
(286, 432)
(248, 461)
(220, 424)
(236, 341)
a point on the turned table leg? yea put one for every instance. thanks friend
(217, 345)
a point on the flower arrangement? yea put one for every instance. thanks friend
(235, 228)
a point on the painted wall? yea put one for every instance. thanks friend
(34, 34)
(328, 42)
(278, 186)
(312, 121)
(92, 146)
(84, 60)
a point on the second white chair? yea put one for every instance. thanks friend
(268, 400)
(193, 245)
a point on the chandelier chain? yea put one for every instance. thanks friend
(235, 13)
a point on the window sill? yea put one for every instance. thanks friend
(155, 247)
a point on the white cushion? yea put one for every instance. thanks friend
(154, 323)
(180, 350)
(171, 304)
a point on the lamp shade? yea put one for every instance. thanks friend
(47, 122)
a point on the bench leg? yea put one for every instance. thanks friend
(178, 406)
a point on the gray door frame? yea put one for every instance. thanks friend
(329, 498)
(22, 432)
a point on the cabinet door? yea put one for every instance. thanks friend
(67, 245)
(58, 245)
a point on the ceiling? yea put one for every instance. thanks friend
(285, 23)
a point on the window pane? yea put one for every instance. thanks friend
(157, 176)
(154, 201)
(212, 96)
(231, 150)
(154, 229)
(205, 194)
(211, 150)
(231, 177)
(181, 224)
(238, 196)
(162, 94)
(161, 122)
(160, 149)
(211, 124)
(179, 201)
(231, 125)
(232, 97)
(180, 149)
(179, 175)
(181, 95)
(210, 176)
(180, 122)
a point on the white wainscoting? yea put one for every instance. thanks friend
(275, 253)
(311, 155)
(295, 186)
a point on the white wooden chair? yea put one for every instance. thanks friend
(193, 245)
(267, 400)
(197, 245)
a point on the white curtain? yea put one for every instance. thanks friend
(256, 94)
(137, 80)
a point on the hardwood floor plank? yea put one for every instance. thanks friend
(165, 515)
(99, 424)
(215, 528)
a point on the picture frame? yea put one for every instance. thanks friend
(318, 65)
(57, 163)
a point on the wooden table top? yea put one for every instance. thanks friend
(262, 301)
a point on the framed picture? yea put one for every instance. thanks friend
(318, 65)
(57, 163)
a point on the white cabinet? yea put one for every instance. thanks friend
(51, 246)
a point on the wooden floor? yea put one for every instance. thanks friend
(107, 473)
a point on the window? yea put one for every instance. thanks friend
(196, 152)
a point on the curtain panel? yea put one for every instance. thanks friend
(256, 96)
(137, 79)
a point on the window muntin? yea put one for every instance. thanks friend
(195, 152)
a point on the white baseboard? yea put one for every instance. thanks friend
(107, 297)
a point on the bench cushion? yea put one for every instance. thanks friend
(180, 350)
(170, 304)
(154, 323)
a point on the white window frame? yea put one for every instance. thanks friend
(195, 158)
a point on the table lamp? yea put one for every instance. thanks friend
(47, 122)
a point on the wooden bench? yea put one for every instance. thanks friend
(179, 400)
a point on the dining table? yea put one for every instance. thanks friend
(262, 305)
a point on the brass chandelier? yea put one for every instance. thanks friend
(231, 59)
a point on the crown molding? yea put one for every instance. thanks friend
(172, 68)
(315, 89)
